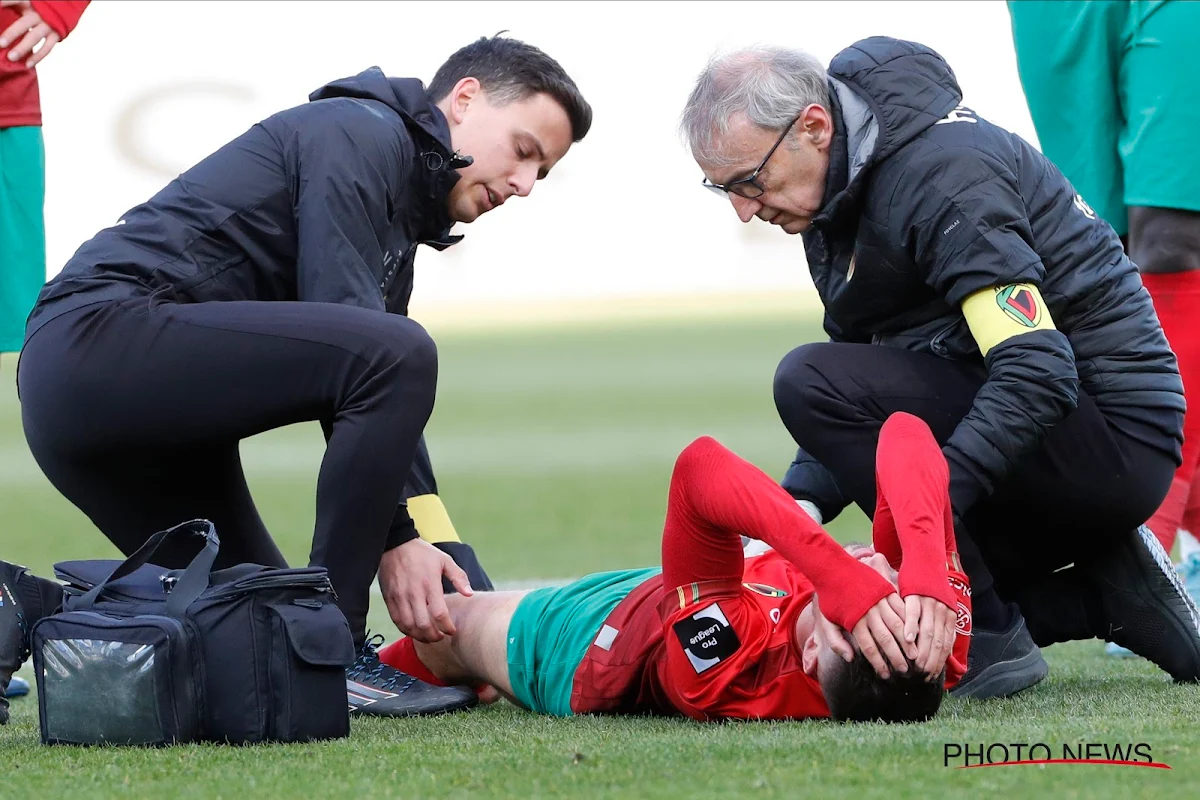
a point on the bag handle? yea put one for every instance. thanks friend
(192, 582)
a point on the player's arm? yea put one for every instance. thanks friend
(716, 496)
(966, 229)
(914, 528)
(714, 632)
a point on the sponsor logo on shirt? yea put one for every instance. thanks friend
(707, 637)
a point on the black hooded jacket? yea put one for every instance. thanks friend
(927, 203)
(324, 202)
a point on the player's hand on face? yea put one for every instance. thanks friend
(410, 577)
(880, 636)
(930, 624)
(25, 34)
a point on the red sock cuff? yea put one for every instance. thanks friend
(402, 654)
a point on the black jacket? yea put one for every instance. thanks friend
(324, 202)
(933, 203)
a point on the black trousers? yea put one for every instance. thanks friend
(134, 410)
(1087, 484)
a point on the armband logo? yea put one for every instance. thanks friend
(1021, 304)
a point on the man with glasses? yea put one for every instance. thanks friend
(965, 282)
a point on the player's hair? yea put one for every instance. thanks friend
(854, 692)
(770, 85)
(510, 70)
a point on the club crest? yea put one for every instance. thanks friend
(1021, 305)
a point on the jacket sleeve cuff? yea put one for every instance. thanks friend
(402, 529)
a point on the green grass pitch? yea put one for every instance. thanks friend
(553, 449)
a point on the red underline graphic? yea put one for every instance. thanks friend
(1154, 764)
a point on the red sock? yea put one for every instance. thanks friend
(1176, 297)
(402, 654)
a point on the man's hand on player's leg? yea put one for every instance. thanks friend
(410, 578)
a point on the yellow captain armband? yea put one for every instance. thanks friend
(432, 521)
(999, 313)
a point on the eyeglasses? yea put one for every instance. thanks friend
(748, 187)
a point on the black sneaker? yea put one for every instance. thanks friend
(1000, 664)
(14, 631)
(1144, 606)
(375, 689)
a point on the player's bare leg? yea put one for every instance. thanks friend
(478, 652)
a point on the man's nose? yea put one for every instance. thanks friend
(522, 181)
(745, 207)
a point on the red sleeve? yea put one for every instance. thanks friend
(913, 525)
(716, 496)
(61, 15)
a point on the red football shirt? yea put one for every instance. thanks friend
(713, 636)
(720, 650)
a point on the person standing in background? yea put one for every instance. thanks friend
(1112, 91)
(23, 27)
(29, 31)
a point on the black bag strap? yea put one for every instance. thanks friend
(192, 582)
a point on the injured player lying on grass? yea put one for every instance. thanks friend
(806, 629)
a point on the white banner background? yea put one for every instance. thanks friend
(141, 90)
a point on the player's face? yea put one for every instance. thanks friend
(876, 561)
(792, 180)
(513, 145)
(817, 656)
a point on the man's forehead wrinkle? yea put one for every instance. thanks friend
(736, 154)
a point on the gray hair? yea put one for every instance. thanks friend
(770, 85)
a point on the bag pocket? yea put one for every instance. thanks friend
(116, 680)
(311, 647)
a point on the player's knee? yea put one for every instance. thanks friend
(797, 380)
(1164, 240)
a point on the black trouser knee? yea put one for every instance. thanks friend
(1088, 483)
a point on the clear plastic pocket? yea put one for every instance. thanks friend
(100, 691)
(106, 680)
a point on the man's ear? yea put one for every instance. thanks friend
(817, 124)
(461, 97)
(808, 655)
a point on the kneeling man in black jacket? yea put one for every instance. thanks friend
(269, 285)
(966, 282)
